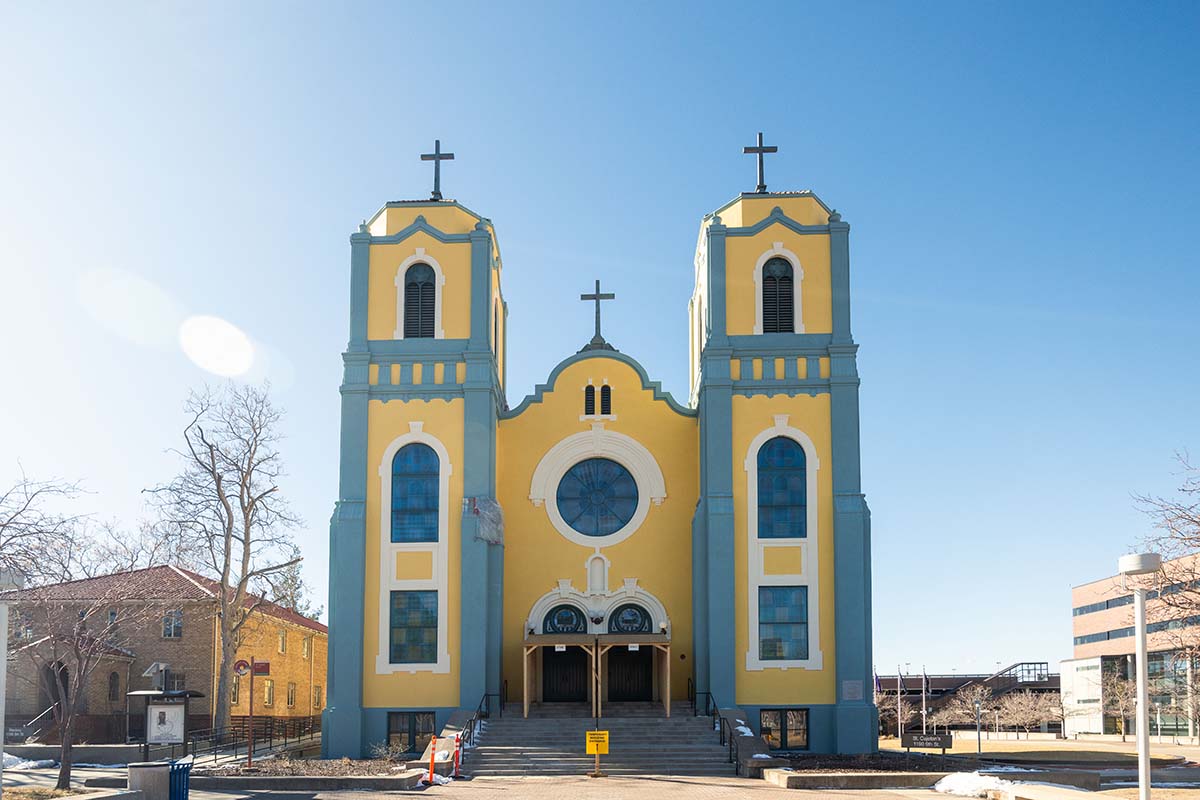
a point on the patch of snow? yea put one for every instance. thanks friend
(744, 731)
(969, 784)
(90, 765)
(438, 780)
(1009, 768)
(16, 763)
(762, 755)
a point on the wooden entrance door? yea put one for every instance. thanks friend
(564, 675)
(630, 673)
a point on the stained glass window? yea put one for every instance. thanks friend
(597, 497)
(783, 623)
(629, 619)
(778, 300)
(419, 301)
(564, 619)
(782, 490)
(414, 622)
(415, 474)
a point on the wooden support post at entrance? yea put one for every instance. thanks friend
(667, 679)
(528, 651)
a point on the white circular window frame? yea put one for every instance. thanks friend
(597, 443)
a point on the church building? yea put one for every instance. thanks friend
(600, 542)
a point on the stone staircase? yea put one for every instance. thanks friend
(642, 741)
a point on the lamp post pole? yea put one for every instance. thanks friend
(978, 729)
(1134, 565)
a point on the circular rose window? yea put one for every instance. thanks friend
(597, 497)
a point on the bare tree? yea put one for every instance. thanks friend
(37, 539)
(962, 705)
(1026, 709)
(290, 590)
(66, 638)
(1119, 698)
(885, 701)
(225, 506)
(1177, 537)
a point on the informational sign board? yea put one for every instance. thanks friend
(262, 667)
(597, 743)
(927, 741)
(560, 648)
(633, 648)
(165, 723)
(241, 667)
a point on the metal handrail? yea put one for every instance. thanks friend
(724, 727)
(482, 711)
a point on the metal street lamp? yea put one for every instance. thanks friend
(978, 730)
(1133, 565)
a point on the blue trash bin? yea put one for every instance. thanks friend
(181, 771)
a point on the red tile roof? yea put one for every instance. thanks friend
(157, 583)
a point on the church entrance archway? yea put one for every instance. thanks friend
(565, 675)
(630, 674)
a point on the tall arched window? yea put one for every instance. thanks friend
(589, 400)
(777, 297)
(782, 490)
(114, 687)
(419, 287)
(415, 475)
(606, 399)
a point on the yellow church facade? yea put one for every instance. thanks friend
(600, 542)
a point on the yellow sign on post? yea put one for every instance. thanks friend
(597, 743)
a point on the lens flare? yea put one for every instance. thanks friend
(216, 345)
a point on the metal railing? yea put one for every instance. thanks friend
(270, 733)
(723, 726)
(482, 711)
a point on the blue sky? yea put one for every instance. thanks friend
(1019, 179)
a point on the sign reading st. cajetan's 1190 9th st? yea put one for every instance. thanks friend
(929, 741)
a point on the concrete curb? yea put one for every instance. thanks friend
(326, 783)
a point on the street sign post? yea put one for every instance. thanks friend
(597, 744)
(254, 668)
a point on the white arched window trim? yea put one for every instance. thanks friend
(420, 257)
(779, 251)
(809, 574)
(388, 551)
(599, 605)
(597, 442)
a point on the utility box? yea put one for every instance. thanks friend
(153, 778)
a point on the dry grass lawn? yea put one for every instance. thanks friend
(1048, 751)
(36, 793)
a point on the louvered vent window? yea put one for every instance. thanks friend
(418, 302)
(606, 399)
(777, 300)
(589, 401)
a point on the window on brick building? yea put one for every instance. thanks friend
(306, 646)
(172, 627)
(291, 695)
(318, 698)
(235, 690)
(283, 641)
(268, 692)
(114, 687)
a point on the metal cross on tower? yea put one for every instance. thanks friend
(758, 150)
(437, 157)
(597, 342)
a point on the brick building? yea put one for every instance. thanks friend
(176, 626)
